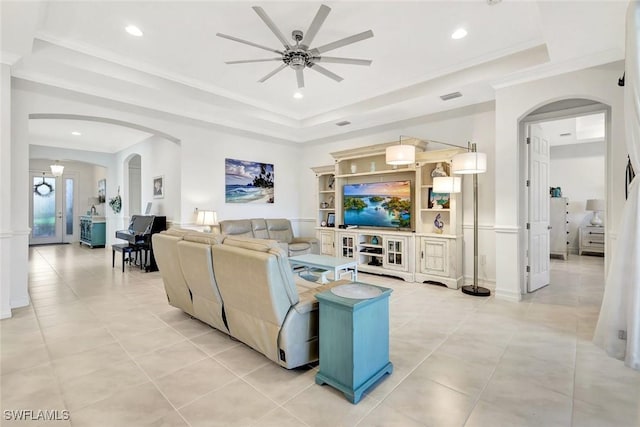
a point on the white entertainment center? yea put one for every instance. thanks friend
(420, 252)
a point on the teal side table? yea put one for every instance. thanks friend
(354, 342)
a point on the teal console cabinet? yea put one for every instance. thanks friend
(93, 231)
(354, 342)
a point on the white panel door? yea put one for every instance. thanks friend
(538, 259)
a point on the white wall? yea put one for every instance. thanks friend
(513, 104)
(158, 157)
(579, 170)
(203, 174)
(6, 209)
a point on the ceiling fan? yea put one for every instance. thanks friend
(299, 56)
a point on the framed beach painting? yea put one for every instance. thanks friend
(158, 187)
(248, 182)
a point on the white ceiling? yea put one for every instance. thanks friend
(178, 66)
(580, 130)
(94, 136)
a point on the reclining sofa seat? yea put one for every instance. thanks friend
(185, 263)
(165, 249)
(278, 229)
(261, 301)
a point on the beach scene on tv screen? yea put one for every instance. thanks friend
(379, 204)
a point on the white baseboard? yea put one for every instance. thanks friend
(5, 314)
(508, 295)
(20, 302)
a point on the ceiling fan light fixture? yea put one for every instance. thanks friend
(300, 56)
(134, 31)
(298, 94)
(458, 34)
(76, 133)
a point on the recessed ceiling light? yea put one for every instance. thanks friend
(76, 133)
(459, 34)
(133, 30)
(298, 95)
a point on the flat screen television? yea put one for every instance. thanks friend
(378, 204)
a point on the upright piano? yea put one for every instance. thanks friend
(139, 232)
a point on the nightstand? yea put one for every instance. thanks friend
(591, 240)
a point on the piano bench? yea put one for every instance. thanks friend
(125, 249)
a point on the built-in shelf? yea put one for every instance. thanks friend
(327, 209)
(435, 210)
(327, 191)
(370, 245)
(368, 173)
(426, 186)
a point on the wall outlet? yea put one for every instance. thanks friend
(483, 259)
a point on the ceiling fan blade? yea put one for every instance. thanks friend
(246, 61)
(333, 60)
(235, 39)
(317, 22)
(326, 72)
(274, 72)
(300, 78)
(342, 42)
(272, 26)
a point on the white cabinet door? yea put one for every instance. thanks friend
(327, 246)
(347, 245)
(395, 253)
(434, 254)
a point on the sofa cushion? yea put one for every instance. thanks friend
(206, 238)
(259, 227)
(280, 229)
(260, 245)
(237, 227)
(175, 231)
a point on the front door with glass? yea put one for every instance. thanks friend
(52, 209)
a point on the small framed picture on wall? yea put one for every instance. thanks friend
(158, 187)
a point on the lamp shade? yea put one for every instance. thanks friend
(595, 205)
(207, 218)
(400, 155)
(470, 162)
(57, 169)
(447, 184)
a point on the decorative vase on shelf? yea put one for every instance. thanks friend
(438, 224)
(373, 167)
(374, 240)
(354, 168)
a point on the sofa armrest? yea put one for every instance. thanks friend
(310, 240)
(308, 301)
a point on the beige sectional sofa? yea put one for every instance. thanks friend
(278, 229)
(244, 287)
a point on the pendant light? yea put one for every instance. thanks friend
(57, 169)
(400, 154)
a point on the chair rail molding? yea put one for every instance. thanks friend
(507, 229)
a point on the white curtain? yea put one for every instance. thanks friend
(620, 311)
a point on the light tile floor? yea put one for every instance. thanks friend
(107, 347)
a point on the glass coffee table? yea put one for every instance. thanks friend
(326, 262)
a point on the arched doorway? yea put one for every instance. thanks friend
(537, 159)
(133, 166)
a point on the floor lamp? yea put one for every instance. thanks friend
(473, 163)
(470, 162)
